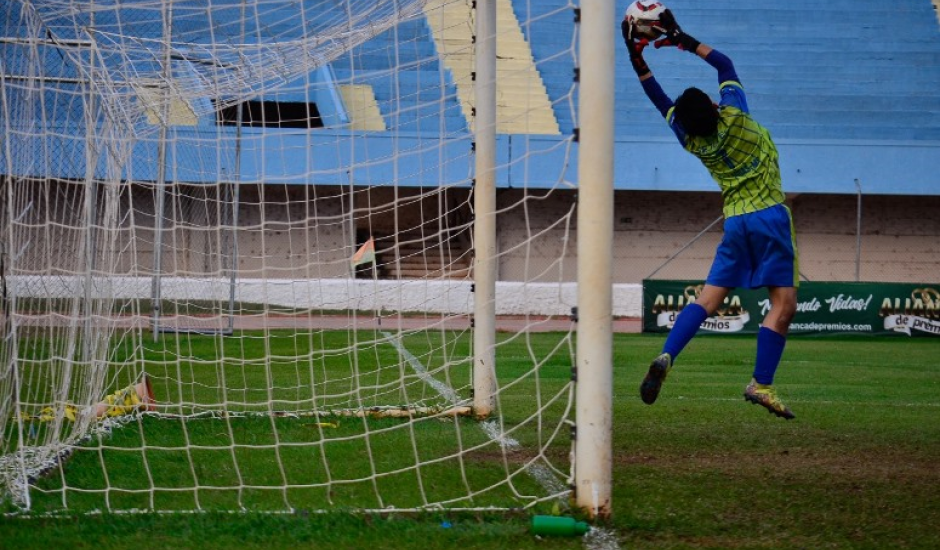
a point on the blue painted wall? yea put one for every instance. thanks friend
(325, 157)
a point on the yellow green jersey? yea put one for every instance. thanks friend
(740, 156)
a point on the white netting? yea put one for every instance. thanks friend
(184, 186)
(192, 51)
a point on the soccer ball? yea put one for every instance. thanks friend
(645, 15)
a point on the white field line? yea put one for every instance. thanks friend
(596, 538)
(446, 391)
(599, 538)
(544, 476)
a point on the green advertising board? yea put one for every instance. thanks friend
(823, 308)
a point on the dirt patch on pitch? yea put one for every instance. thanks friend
(871, 465)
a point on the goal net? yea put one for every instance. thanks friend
(238, 260)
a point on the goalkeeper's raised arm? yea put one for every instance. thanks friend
(673, 35)
(635, 48)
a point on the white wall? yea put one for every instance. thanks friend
(451, 297)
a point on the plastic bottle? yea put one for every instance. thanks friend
(558, 526)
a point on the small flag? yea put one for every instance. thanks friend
(365, 254)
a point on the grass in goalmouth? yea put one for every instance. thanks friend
(701, 468)
(289, 420)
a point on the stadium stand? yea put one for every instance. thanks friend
(835, 87)
(844, 97)
(406, 98)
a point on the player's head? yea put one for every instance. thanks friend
(696, 113)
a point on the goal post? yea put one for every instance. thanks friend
(593, 445)
(484, 219)
(318, 254)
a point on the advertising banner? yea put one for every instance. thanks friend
(823, 308)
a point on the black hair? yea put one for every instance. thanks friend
(696, 113)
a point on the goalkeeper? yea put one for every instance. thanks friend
(758, 248)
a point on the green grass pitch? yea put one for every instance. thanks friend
(857, 468)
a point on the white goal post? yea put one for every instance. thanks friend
(255, 255)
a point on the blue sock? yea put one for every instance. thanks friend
(687, 323)
(770, 346)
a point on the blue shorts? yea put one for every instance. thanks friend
(758, 249)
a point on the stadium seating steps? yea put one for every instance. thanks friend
(838, 73)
